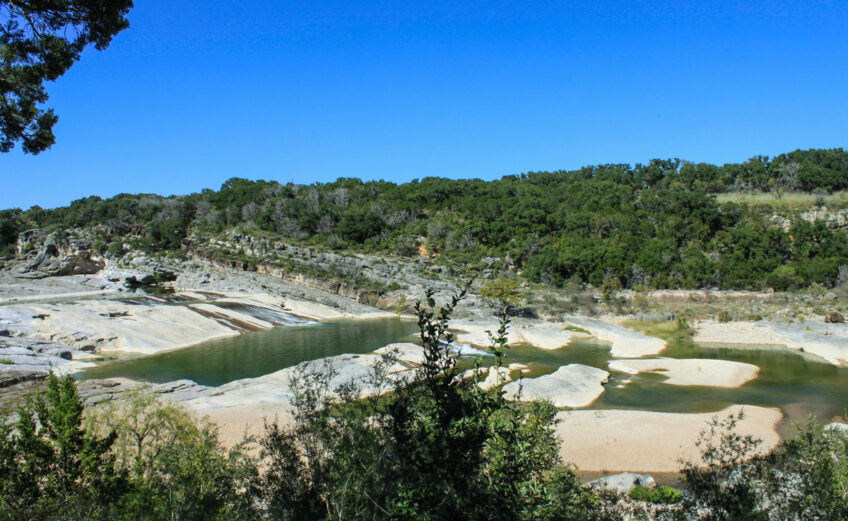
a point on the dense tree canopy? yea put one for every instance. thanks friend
(39, 41)
(658, 225)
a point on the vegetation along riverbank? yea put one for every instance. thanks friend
(670, 319)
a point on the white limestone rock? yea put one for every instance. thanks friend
(623, 482)
(692, 371)
(573, 385)
(837, 427)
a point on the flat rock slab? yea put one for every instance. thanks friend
(541, 335)
(837, 427)
(827, 341)
(573, 385)
(624, 343)
(692, 371)
(278, 387)
(647, 441)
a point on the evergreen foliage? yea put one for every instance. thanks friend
(51, 467)
(614, 226)
(178, 468)
(804, 478)
(39, 42)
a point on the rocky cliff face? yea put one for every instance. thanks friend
(361, 278)
(833, 218)
(344, 275)
(55, 254)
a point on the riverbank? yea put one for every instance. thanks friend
(66, 323)
(647, 441)
(828, 341)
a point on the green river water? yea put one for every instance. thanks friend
(795, 383)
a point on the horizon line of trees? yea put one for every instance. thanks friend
(655, 225)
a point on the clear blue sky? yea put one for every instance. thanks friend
(194, 93)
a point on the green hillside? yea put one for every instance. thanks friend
(665, 224)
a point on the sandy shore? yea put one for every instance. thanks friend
(234, 423)
(595, 441)
(645, 441)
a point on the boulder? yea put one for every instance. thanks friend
(834, 318)
(29, 242)
(624, 482)
(836, 426)
(59, 255)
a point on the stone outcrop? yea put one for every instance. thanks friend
(833, 218)
(834, 318)
(623, 482)
(336, 372)
(837, 427)
(327, 271)
(94, 392)
(572, 385)
(812, 337)
(55, 255)
(23, 357)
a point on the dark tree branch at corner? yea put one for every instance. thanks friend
(39, 41)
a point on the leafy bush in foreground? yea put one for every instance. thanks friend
(436, 448)
(51, 468)
(804, 479)
(433, 446)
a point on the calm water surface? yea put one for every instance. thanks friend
(788, 380)
(255, 354)
(796, 384)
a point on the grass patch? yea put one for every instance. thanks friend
(670, 330)
(663, 495)
(789, 200)
(6, 361)
(576, 329)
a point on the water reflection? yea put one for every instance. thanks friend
(247, 356)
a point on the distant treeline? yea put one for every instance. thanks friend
(655, 225)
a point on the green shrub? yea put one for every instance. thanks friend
(576, 329)
(666, 495)
(663, 494)
(785, 277)
(116, 248)
(725, 316)
(435, 448)
(51, 468)
(640, 493)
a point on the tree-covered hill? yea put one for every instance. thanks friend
(653, 225)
